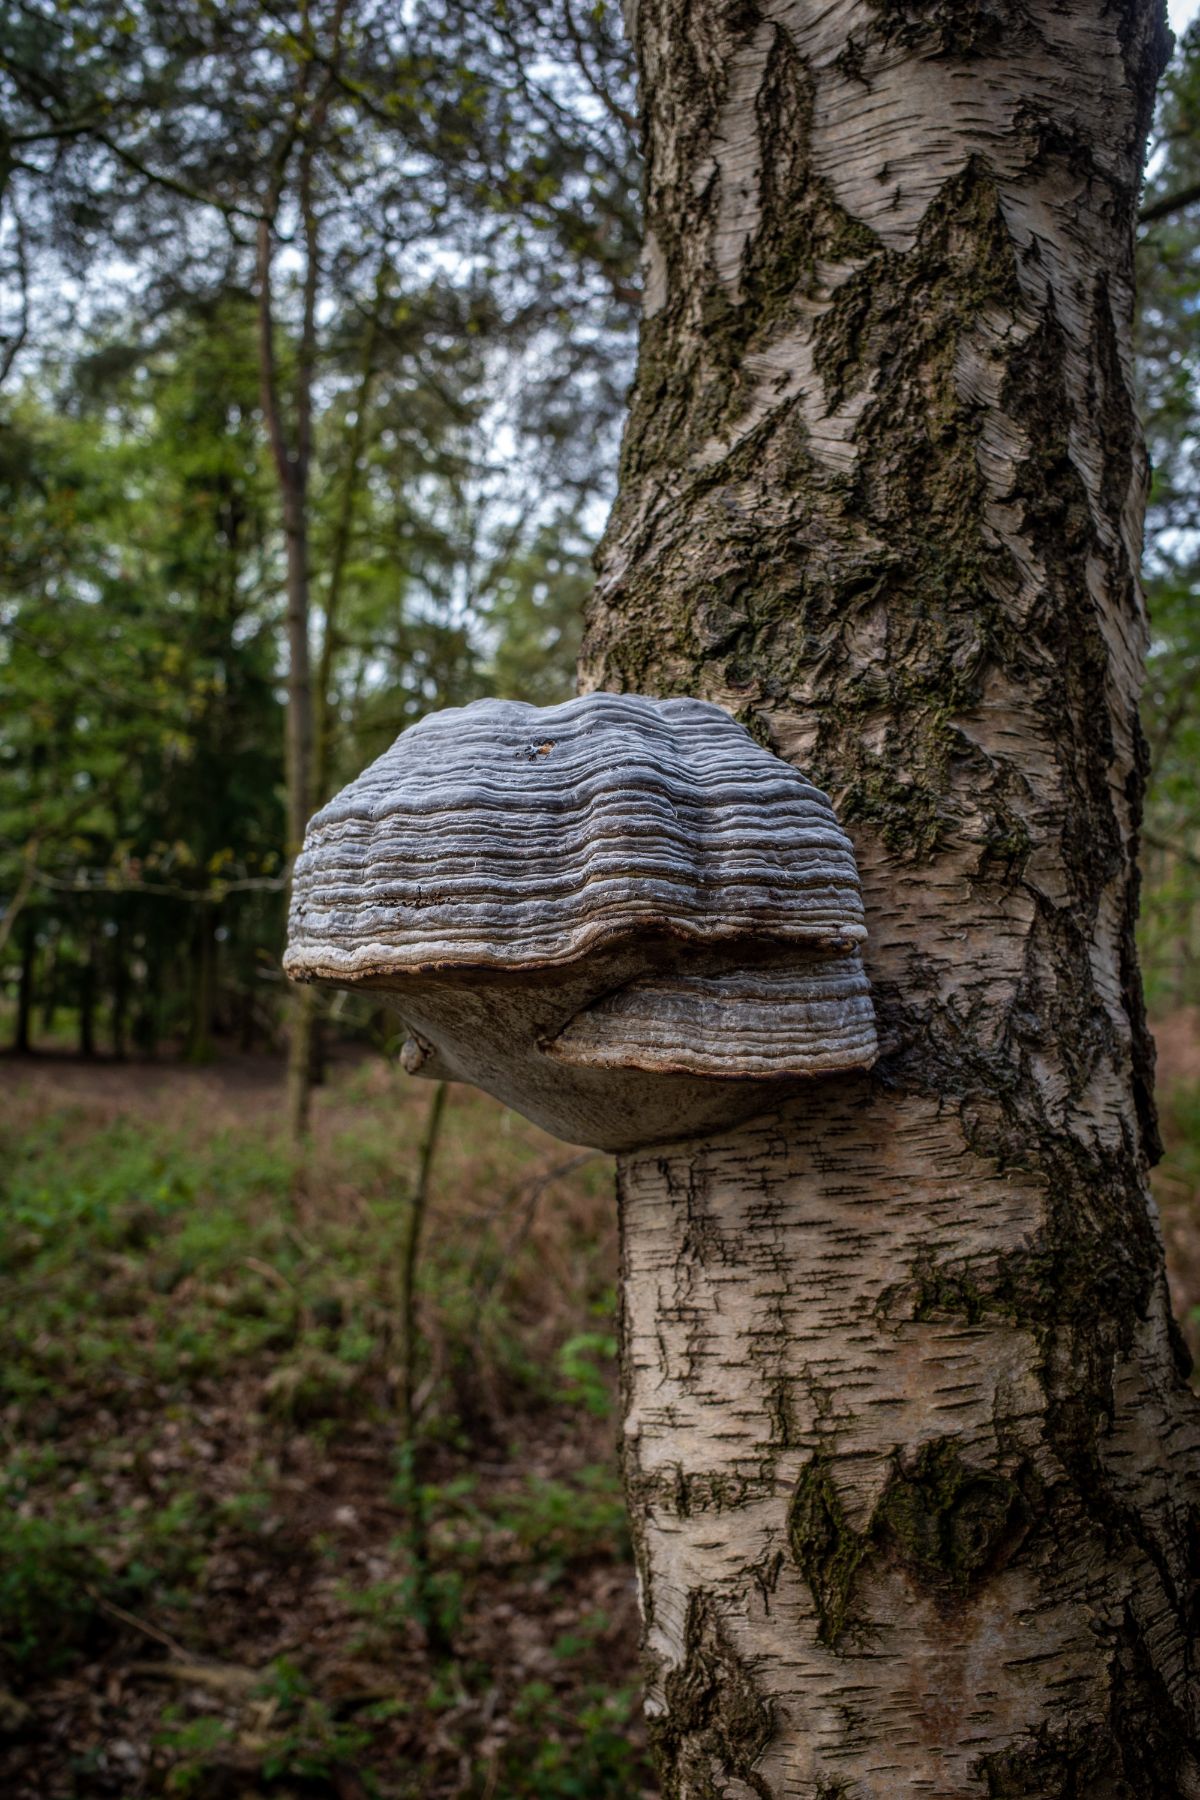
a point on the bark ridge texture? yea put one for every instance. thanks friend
(910, 1449)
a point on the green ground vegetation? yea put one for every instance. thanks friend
(207, 1563)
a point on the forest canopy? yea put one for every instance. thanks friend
(368, 274)
(351, 271)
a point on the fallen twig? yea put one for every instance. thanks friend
(225, 1677)
(131, 1619)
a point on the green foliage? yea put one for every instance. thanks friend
(63, 1566)
(88, 1224)
(572, 1749)
(473, 241)
(311, 1742)
(158, 1291)
(139, 754)
(50, 1569)
(560, 1521)
(389, 1608)
(193, 1744)
(587, 1364)
(1181, 1129)
(549, 1523)
(536, 617)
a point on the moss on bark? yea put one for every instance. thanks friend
(946, 1522)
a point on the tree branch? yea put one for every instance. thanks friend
(1170, 203)
(1180, 850)
(343, 529)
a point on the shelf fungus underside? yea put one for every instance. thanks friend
(564, 902)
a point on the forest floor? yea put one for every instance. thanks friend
(207, 1578)
(209, 1583)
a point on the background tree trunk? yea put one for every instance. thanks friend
(292, 464)
(325, 714)
(87, 991)
(911, 1457)
(119, 1020)
(22, 1039)
(203, 984)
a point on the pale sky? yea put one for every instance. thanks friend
(1182, 12)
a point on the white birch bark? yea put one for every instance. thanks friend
(910, 1455)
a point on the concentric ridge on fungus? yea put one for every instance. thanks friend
(811, 1018)
(563, 900)
(507, 835)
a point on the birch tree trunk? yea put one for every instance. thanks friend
(910, 1451)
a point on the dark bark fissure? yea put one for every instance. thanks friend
(716, 1722)
(948, 1524)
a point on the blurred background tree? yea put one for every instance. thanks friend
(321, 318)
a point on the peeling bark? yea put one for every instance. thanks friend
(910, 1451)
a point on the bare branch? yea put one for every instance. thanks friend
(1170, 203)
(100, 881)
(1164, 844)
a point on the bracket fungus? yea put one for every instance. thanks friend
(621, 916)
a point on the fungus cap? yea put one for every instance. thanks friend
(564, 899)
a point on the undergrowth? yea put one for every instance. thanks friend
(216, 1566)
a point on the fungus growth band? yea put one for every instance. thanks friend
(567, 899)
